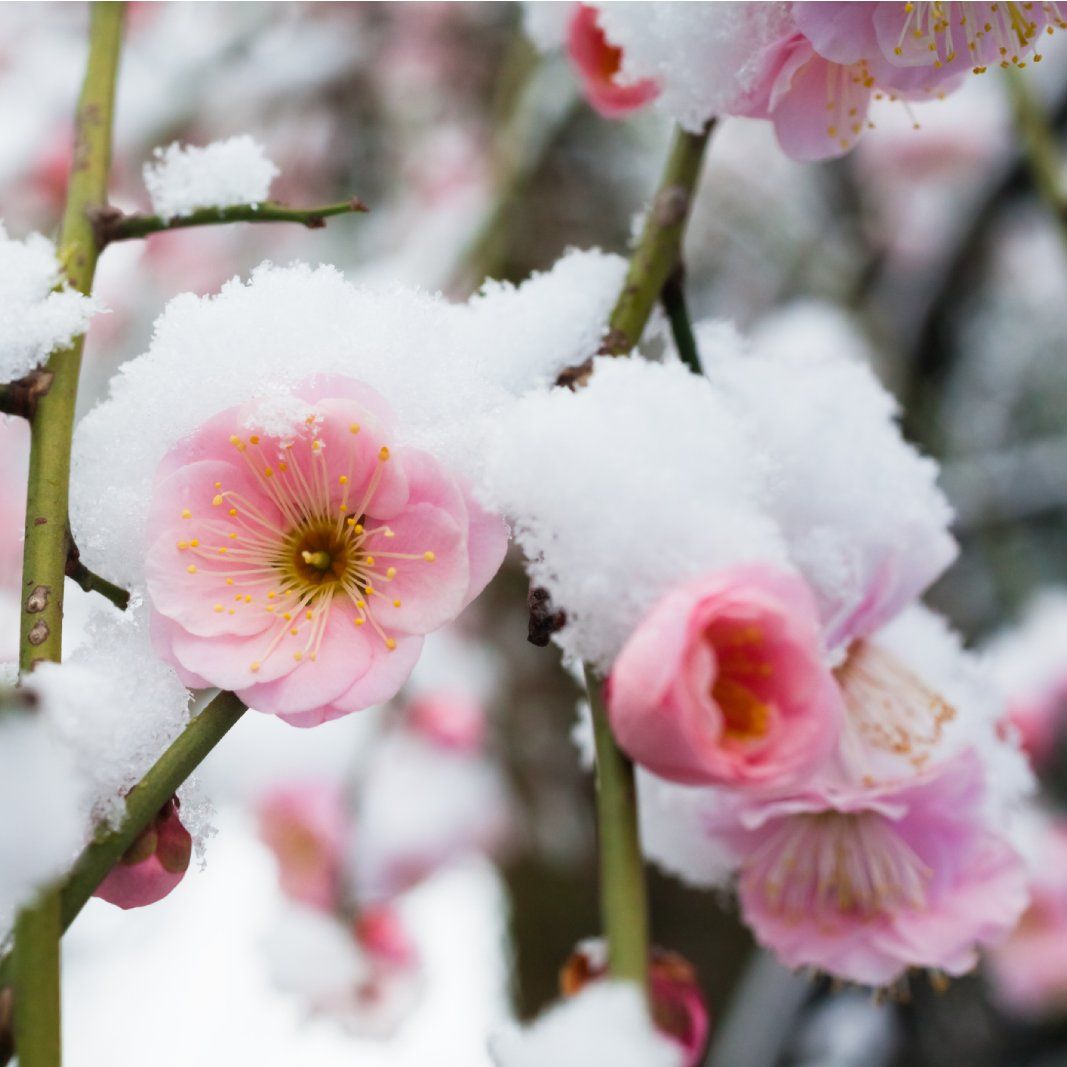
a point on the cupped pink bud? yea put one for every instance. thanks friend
(305, 826)
(450, 720)
(598, 64)
(153, 865)
(382, 935)
(724, 682)
(678, 1007)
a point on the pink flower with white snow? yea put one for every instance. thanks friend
(300, 566)
(866, 883)
(598, 63)
(724, 682)
(305, 826)
(153, 865)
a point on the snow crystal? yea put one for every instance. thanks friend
(704, 56)
(444, 369)
(639, 481)
(605, 1023)
(36, 317)
(859, 508)
(114, 706)
(41, 825)
(221, 174)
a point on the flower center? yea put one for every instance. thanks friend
(856, 865)
(741, 666)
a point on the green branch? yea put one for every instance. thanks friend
(113, 225)
(1043, 154)
(143, 802)
(659, 249)
(674, 303)
(36, 952)
(623, 898)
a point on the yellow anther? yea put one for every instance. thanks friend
(390, 644)
(216, 500)
(383, 453)
(191, 568)
(309, 614)
(222, 551)
(267, 472)
(248, 599)
(396, 603)
(361, 604)
(429, 557)
(388, 533)
(232, 536)
(298, 655)
(218, 485)
(370, 590)
(370, 561)
(316, 445)
(218, 609)
(343, 479)
(229, 581)
(294, 631)
(254, 439)
(194, 543)
(390, 574)
(254, 666)
(233, 511)
(183, 545)
(360, 622)
(230, 611)
(342, 508)
(353, 427)
(359, 528)
(238, 597)
(186, 513)
(287, 616)
(283, 467)
(271, 595)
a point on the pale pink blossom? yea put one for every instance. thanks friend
(864, 883)
(598, 64)
(1029, 969)
(301, 568)
(451, 720)
(724, 682)
(153, 865)
(305, 825)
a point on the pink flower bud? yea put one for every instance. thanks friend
(449, 720)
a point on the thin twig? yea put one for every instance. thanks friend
(91, 582)
(143, 803)
(36, 953)
(674, 303)
(110, 224)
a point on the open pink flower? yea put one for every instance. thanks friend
(301, 568)
(305, 826)
(153, 865)
(865, 883)
(724, 682)
(598, 64)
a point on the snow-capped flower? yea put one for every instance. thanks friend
(677, 1004)
(153, 865)
(607, 1022)
(864, 884)
(300, 566)
(598, 63)
(1028, 970)
(305, 826)
(724, 682)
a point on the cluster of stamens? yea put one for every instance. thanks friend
(856, 865)
(319, 551)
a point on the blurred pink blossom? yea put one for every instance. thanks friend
(450, 720)
(305, 826)
(154, 864)
(724, 682)
(302, 567)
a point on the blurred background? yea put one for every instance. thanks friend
(479, 159)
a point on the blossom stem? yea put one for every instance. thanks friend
(113, 225)
(1043, 154)
(36, 953)
(92, 582)
(674, 303)
(623, 896)
(658, 251)
(143, 803)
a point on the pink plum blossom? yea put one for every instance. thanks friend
(678, 1008)
(153, 865)
(1029, 969)
(865, 883)
(305, 826)
(301, 568)
(724, 682)
(598, 63)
